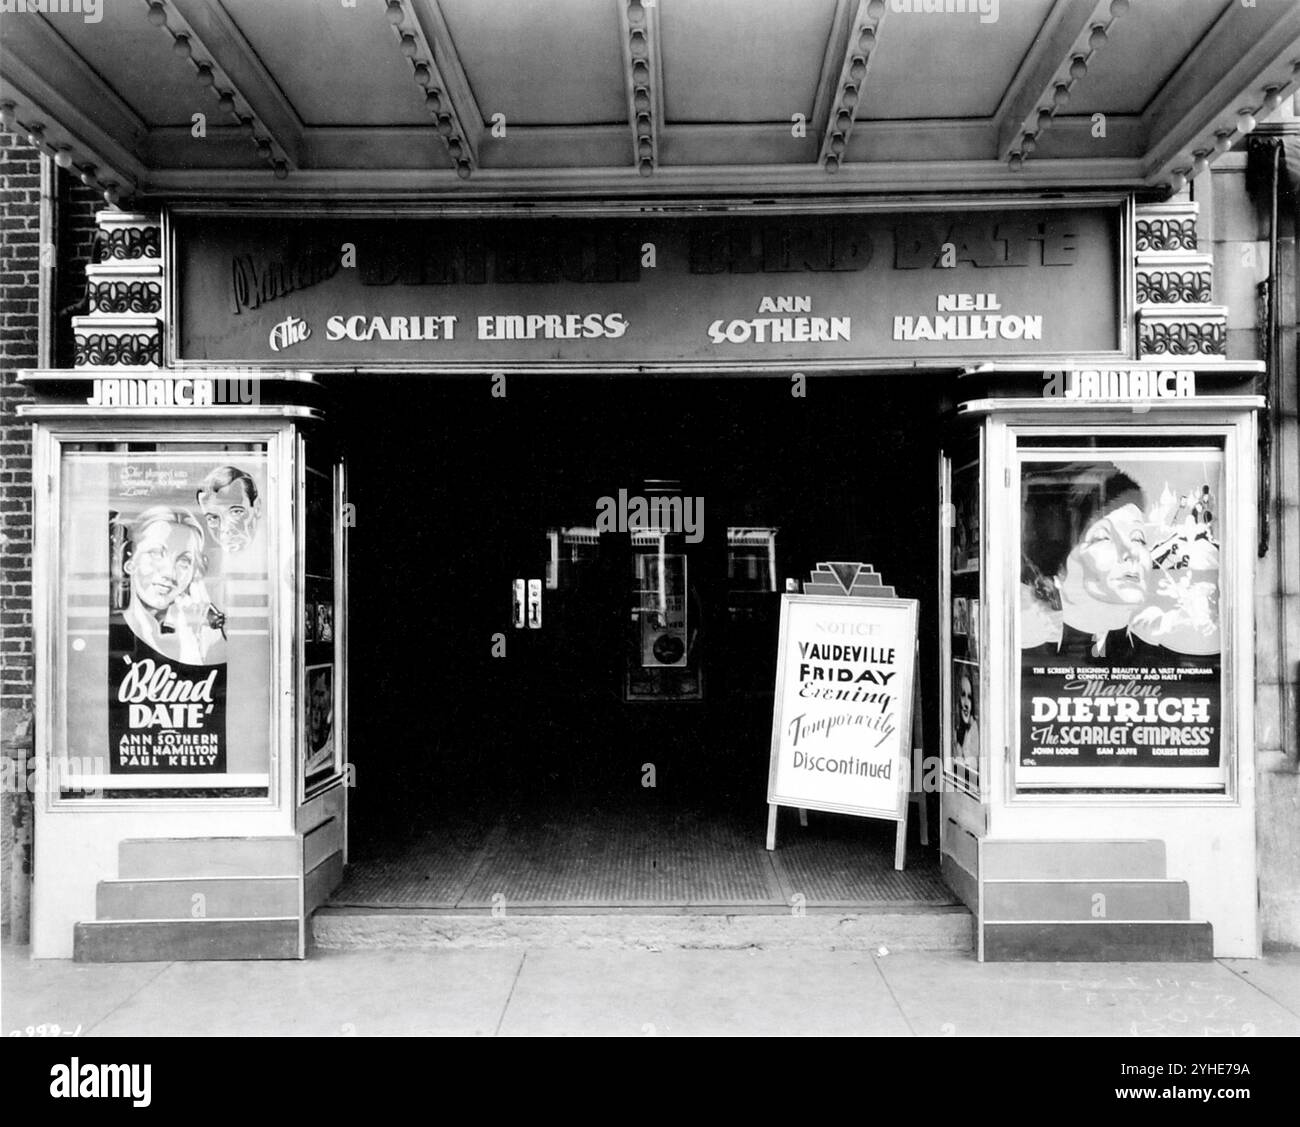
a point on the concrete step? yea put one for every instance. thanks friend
(919, 929)
(1073, 860)
(1078, 900)
(1098, 941)
(209, 857)
(147, 941)
(186, 898)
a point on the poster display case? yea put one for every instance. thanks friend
(323, 703)
(1107, 625)
(173, 561)
(190, 590)
(963, 701)
(1092, 569)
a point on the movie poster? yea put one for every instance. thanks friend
(168, 620)
(961, 739)
(966, 519)
(966, 745)
(1119, 619)
(321, 741)
(320, 719)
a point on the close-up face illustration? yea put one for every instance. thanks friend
(163, 563)
(230, 514)
(1113, 557)
(318, 712)
(965, 698)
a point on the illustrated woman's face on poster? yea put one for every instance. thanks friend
(965, 699)
(164, 561)
(1113, 557)
(231, 507)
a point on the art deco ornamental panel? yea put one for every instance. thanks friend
(124, 282)
(1175, 313)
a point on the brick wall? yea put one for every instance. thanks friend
(20, 209)
(20, 186)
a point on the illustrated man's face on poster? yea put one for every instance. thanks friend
(1114, 557)
(164, 561)
(319, 706)
(230, 510)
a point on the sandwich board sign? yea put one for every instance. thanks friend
(844, 701)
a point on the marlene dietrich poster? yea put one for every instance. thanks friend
(1119, 624)
(174, 545)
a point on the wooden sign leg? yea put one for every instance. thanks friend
(803, 817)
(771, 825)
(900, 840)
(918, 754)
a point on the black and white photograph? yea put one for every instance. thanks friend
(961, 615)
(649, 518)
(966, 720)
(966, 519)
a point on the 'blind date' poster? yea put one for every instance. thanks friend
(168, 627)
(169, 631)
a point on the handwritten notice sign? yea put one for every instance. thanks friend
(842, 714)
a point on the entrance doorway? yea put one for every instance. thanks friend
(618, 751)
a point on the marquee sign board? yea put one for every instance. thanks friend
(644, 292)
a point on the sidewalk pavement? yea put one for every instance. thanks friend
(522, 992)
